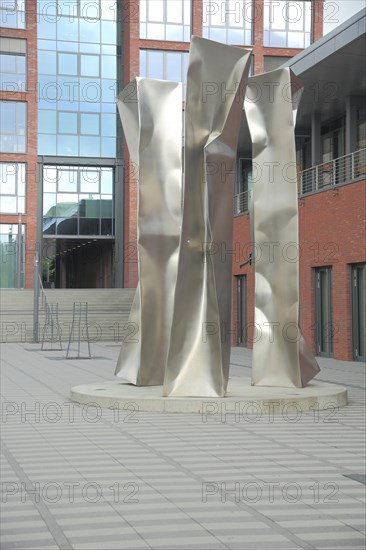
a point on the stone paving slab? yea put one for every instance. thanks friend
(81, 477)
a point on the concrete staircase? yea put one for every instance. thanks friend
(108, 312)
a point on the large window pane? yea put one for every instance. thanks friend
(89, 124)
(89, 65)
(228, 21)
(164, 65)
(67, 63)
(165, 20)
(47, 122)
(287, 23)
(13, 126)
(46, 62)
(12, 244)
(67, 123)
(84, 198)
(12, 188)
(12, 14)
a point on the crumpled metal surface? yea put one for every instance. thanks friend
(199, 353)
(151, 115)
(280, 354)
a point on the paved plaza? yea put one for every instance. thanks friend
(79, 477)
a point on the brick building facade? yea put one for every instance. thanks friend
(125, 41)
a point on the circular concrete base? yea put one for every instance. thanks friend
(241, 398)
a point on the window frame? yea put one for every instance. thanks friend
(20, 172)
(145, 21)
(80, 195)
(226, 27)
(268, 6)
(4, 133)
(20, 12)
(184, 65)
(16, 73)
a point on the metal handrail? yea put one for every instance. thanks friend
(335, 172)
(322, 176)
(43, 296)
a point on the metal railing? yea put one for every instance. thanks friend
(335, 172)
(323, 176)
(43, 296)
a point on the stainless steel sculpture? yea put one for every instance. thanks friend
(151, 114)
(182, 306)
(280, 354)
(199, 353)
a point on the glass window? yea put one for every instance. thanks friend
(12, 243)
(13, 72)
(84, 195)
(67, 29)
(67, 123)
(165, 20)
(46, 61)
(47, 121)
(67, 181)
(109, 66)
(90, 30)
(67, 63)
(12, 188)
(67, 145)
(49, 179)
(89, 146)
(109, 125)
(164, 65)
(70, 64)
(228, 21)
(13, 126)
(89, 124)
(89, 65)
(47, 144)
(287, 24)
(12, 14)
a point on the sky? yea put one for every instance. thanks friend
(338, 11)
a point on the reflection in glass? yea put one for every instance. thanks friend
(11, 244)
(228, 21)
(67, 123)
(67, 145)
(89, 181)
(165, 20)
(89, 65)
(67, 181)
(89, 124)
(67, 63)
(47, 121)
(85, 202)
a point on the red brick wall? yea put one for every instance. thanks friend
(30, 157)
(131, 47)
(332, 233)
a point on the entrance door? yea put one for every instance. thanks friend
(359, 311)
(323, 305)
(241, 297)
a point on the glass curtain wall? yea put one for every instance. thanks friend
(77, 71)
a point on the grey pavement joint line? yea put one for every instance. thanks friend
(43, 510)
(270, 523)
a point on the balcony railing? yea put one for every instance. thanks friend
(335, 172)
(324, 176)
